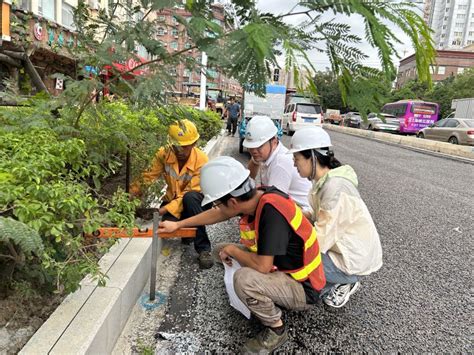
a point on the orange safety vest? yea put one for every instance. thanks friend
(312, 268)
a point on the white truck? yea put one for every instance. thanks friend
(464, 108)
(271, 105)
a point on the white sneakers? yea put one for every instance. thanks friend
(340, 294)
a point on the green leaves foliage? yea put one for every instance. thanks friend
(17, 233)
(57, 181)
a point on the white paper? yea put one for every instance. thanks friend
(229, 285)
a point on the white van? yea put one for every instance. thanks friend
(299, 115)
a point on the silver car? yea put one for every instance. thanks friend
(375, 122)
(352, 119)
(452, 130)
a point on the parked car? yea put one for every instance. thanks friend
(452, 130)
(375, 122)
(299, 115)
(243, 126)
(352, 119)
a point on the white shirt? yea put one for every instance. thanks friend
(279, 171)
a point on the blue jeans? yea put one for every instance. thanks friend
(334, 275)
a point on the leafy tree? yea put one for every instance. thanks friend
(458, 87)
(329, 95)
(246, 48)
(413, 89)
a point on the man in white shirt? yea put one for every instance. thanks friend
(271, 162)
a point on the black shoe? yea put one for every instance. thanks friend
(205, 260)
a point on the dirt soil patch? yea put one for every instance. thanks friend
(20, 319)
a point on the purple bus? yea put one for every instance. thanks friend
(413, 115)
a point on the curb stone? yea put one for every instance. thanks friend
(460, 151)
(91, 319)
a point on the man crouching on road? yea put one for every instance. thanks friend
(286, 269)
(180, 164)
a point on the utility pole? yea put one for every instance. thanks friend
(203, 96)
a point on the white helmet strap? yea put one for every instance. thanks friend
(247, 186)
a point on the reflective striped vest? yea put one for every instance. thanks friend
(312, 268)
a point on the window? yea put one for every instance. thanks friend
(447, 9)
(68, 15)
(459, 24)
(462, 7)
(187, 45)
(452, 123)
(441, 70)
(461, 16)
(161, 31)
(432, 69)
(174, 20)
(174, 45)
(446, 18)
(471, 33)
(162, 18)
(441, 123)
(187, 73)
(460, 70)
(276, 74)
(444, 27)
(46, 8)
(443, 35)
(174, 32)
(457, 34)
(25, 4)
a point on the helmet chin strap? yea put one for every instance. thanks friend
(313, 166)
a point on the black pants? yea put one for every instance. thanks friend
(191, 207)
(232, 124)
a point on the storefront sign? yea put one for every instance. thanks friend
(38, 31)
(59, 84)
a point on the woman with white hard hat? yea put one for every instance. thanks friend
(271, 162)
(346, 232)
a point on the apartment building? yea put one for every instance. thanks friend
(174, 37)
(447, 63)
(452, 22)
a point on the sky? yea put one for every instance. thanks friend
(320, 60)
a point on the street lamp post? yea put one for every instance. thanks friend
(202, 97)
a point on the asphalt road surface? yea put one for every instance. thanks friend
(420, 301)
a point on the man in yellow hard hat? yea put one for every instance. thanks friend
(180, 165)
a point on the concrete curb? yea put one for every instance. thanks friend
(461, 151)
(90, 320)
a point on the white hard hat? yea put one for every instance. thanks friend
(310, 138)
(260, 130)
(221, 176)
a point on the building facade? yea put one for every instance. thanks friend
(174, 37)
(452, 22)
(447, 63)
(37, 41)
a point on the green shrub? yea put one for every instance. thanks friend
(53, 179)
